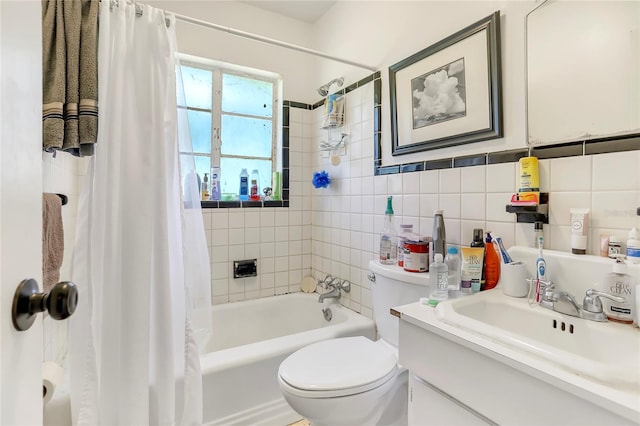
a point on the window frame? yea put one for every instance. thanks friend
(218, 69)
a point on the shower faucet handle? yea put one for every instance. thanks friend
(324, 283)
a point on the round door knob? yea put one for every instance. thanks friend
(60, 302)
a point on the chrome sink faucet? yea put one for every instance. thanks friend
(565, 303)
(336, 287)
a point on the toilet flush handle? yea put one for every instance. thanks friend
(372, 277)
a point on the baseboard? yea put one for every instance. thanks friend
(273, 413)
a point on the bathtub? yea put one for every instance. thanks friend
(240, 359)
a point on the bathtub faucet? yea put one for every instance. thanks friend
(335, 285)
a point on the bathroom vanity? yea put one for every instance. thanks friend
(488, 358)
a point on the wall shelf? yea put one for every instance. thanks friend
(531, 214)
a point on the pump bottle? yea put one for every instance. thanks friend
(619, 283)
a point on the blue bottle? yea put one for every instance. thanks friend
(244, 185)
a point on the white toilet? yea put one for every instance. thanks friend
(353, 380)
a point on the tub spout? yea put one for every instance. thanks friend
(333, 294)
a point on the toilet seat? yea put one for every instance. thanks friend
(338, 367)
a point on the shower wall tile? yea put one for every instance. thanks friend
(570, 174)
(473, 179)
(617, 171)
(450, 181)
(335, 230)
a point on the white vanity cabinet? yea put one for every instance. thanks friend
(455, 379)
(429, 406)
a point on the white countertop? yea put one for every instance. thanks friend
(623, 402)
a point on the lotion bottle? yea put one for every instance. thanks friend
(619, 283)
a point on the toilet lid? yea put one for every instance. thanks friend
(338, 364)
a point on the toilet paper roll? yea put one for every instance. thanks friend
(513, 279)
(52, 377)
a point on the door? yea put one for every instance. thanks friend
(20, 205)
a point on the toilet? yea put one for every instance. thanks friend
(354, 380)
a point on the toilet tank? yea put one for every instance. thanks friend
(393, 286)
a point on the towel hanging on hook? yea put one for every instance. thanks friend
(63, 198)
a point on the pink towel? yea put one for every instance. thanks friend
(52, 239)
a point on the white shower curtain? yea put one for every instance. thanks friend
(141, 259)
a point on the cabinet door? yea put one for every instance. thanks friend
(428, 405)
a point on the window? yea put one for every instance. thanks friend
(233, 120)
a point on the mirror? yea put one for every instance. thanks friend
(583, 70)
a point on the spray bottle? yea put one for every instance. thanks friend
(388, 237)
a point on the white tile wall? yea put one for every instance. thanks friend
(335, 230)
(471, 197)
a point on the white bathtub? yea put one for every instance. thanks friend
(240, 361)
(250, 340)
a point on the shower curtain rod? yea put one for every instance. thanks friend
(267, 40)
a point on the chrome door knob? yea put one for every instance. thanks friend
(60, 302)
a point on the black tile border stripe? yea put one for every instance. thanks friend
(512, 156)
(445, 163)
(605, 145)
(412, 167)
(470, 160)
(572, 149)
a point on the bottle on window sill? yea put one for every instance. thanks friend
(244, 185)
(255, 187)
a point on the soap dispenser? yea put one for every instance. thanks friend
(619, 283)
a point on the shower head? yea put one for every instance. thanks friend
(324, 89)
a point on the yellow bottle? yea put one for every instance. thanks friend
(529, 182)
(205, 187)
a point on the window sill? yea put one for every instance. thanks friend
(242, 204)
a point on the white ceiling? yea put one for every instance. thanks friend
(303, 10)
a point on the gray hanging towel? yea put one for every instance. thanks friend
(70, 75)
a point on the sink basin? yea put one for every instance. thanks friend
(606, 352)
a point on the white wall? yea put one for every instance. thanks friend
(348, 216)
(385, 32)
(335, 230)
(293, 66)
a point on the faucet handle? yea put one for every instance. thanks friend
(547, 289)
(592, 302)
(325, 281)
(345, 286)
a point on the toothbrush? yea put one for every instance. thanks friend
(541, 264)
(505, 255)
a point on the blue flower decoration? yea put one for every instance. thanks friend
(321, 179)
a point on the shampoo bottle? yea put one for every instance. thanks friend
(254, 191)
(244, 185)
(478, 242)
(619, 283)
(205, 187)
